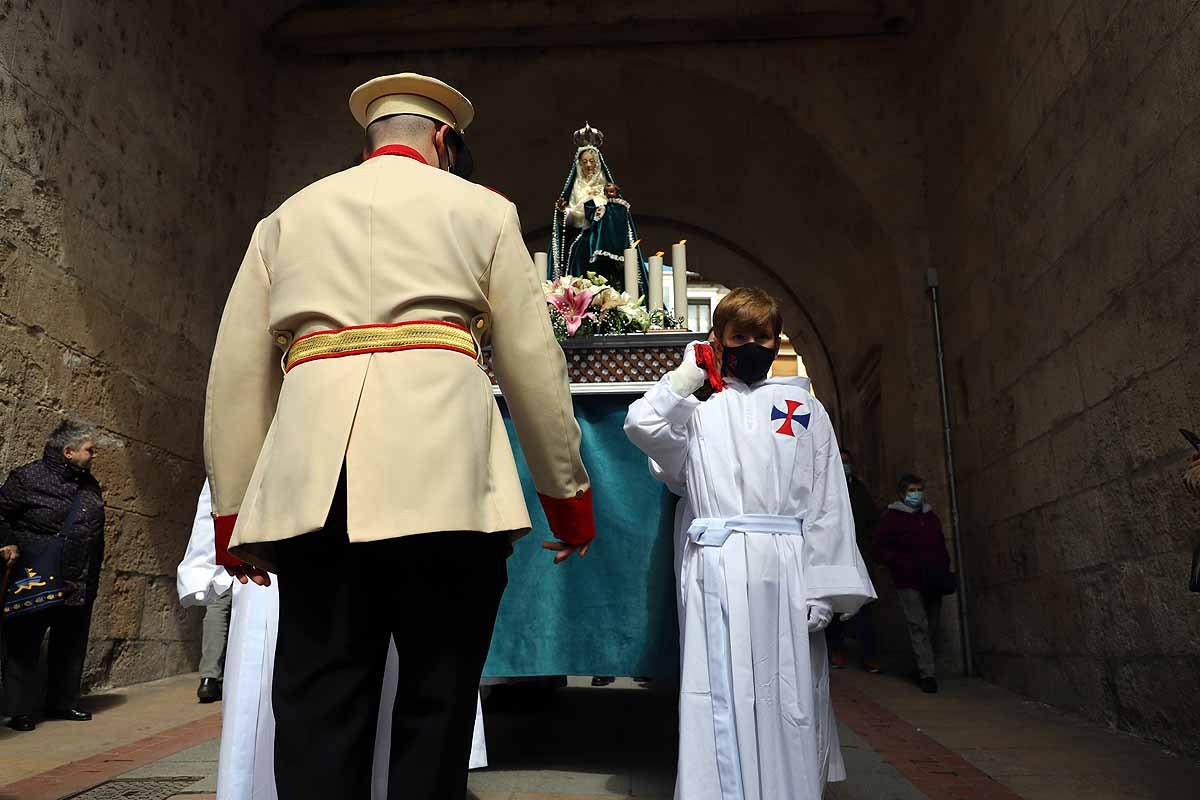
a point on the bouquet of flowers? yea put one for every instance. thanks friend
(588, 306)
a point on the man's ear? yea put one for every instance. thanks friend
(439, 145)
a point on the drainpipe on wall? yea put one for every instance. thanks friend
(964, 627)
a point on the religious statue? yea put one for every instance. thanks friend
(593, 225)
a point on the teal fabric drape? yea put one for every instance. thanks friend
(612, 612)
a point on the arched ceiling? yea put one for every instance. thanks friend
(378, 26)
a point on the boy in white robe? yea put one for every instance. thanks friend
(246, 765)
(765, 556)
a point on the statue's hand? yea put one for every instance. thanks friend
(611, 191)
(561, 205)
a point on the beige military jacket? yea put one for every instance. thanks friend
(419, 431)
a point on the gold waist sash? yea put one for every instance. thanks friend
(389, 338)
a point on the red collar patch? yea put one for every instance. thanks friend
(402, 150)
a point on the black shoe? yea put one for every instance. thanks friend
(21, 722)
(929, 685)
(71, 714)
(602, 680)
(209, 691)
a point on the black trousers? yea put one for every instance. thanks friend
(437, 594)
(68, 626)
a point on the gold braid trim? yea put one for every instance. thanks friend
(380, 338)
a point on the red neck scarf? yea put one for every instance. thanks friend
(399, 150)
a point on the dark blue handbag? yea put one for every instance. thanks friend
(37, 581)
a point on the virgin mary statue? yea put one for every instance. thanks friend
(593, 225)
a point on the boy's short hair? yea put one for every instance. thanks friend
(748, 309)
(908, 478)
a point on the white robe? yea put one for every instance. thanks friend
(246, 766)
(766, 523)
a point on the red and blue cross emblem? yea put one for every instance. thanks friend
(789, 416)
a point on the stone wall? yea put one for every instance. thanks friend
(1064, 207)
(131, 173)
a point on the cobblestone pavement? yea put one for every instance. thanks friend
(973, 741)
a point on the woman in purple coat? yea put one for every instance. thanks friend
(909, 542)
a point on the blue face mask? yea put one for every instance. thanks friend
(914, 499)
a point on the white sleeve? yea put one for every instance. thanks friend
(833, 568)
(657, 424)
(199, 579)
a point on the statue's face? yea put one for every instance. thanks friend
(588, 163)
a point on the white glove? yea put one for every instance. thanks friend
(688, 376)
(820, 614)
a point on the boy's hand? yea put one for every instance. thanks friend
(9, 553)
(688, 376)
(563, 551)
(820, 614)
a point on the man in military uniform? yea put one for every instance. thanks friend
(355, 449)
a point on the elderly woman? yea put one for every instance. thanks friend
(55, 495)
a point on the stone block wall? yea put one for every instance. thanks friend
(1063, 176)
(132, 150)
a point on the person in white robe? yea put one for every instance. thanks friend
(765, 556)
(246, 765)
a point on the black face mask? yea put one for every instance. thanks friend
(749, 363)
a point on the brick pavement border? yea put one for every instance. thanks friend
(934, 769)
(85, 773)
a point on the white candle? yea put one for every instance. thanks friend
(539, 261)
(654, 291)
(679, 279)
(632, 269)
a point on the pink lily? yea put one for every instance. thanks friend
(574, 305)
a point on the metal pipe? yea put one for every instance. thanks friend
(964, 625)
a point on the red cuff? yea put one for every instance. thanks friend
(223, 532)
(570, 518)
